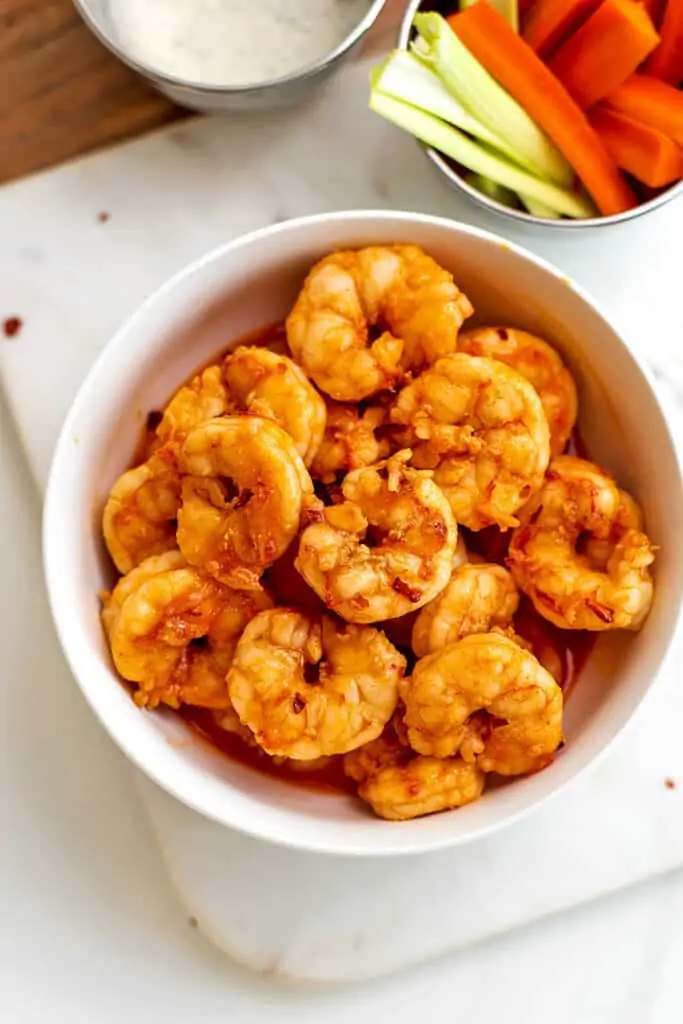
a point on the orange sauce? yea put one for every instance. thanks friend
(329, 778)
(564, 648)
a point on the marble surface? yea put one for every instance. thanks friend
(72, 274)
(92, 931)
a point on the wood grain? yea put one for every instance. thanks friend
(61, 92)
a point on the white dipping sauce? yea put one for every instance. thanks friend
(233, 42)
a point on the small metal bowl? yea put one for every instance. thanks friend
(210, 99)
(449, 169)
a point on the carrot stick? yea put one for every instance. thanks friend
(551, 21)
(666, 63)
(604, 51)
(643, 151)
(652, 102)
(509, 59)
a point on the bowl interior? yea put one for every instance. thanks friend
(244, 286)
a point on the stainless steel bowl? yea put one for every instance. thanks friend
(269, 95)
(450, 171)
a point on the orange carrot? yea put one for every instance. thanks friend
(604, 51)
(514, 64)
(551, 21)
(643, 151)
(652, 102)
(666, 63)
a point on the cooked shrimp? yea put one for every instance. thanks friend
(265, 384)
(350, 441)
(490, 673)
(599, 550)
(412, 536)
(536, 360)
(400, 784)
(400, 631)
(242, 498)
(204, 398)
(461, 555)
(139, 518)
(398, 289)
(173, 631)
(481, 427)
(607, 587)
(389, 749)
(352, 698)
(477, 598)
(424, 785)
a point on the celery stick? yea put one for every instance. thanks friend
(474, 157)
(406, 78)
(492, 189)
(537, 209)
(506, 8)
(483, 97)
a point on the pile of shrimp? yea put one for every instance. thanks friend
(297, 549)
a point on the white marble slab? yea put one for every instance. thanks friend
(72, 278)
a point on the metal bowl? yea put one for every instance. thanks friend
(275, 93)
(449, 169)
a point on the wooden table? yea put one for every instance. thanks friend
(62, 94)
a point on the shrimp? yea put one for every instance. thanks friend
(408, 555)
(139, 518)
(263, 383)
(400, 631)
(173, 631)
(477, 598)
(400, 784)
(596, 582)
(481, 428)
(540, 364)
(487, 699)
(598, 550)
(424, 785)
(349, 703)
(397, 289)
(241, 499)
(204, 398)
(350, 441)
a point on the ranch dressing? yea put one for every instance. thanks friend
(233, 42)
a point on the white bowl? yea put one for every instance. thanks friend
(248, 283)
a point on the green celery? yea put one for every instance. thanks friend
(404, 76)
(537, 209)
(480, 94)
(489, 187)
(474, 157)
(508, 9)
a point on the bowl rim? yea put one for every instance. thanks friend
(184, 787)
(306, 71)
(521, 216)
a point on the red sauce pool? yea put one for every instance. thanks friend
(329, 778)
(563, 651)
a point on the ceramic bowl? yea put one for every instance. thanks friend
(241, 286)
